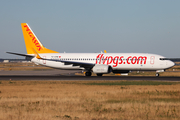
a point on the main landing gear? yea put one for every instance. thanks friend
(157, 74)
(88, 73)
(99, 74)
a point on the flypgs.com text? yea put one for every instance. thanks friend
(101, 59)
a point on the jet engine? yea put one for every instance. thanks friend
(102, 69)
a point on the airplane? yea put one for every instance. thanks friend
(98, 63)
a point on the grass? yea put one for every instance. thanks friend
(85, 100)
(21, 66)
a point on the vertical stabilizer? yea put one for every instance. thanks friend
(31, 41)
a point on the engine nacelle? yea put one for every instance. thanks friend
(102, 69)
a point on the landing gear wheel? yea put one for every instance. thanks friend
(99, 74)
(88, 73)
(157, 74)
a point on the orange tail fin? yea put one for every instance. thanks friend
(31, 41)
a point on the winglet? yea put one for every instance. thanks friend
(105, 51)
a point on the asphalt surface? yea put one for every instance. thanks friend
(27, 77)
(70, 75)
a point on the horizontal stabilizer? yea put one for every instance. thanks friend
(25, 55)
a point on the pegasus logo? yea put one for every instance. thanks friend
(36, 43)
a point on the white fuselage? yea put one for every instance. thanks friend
(118, 61)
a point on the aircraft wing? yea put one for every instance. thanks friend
(81, 64)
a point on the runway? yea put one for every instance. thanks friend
(37, 77)
(70, 75)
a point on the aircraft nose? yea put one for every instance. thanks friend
(170, 63)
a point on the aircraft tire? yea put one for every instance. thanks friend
(99, 74)
(157, 74)
(88, 73)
